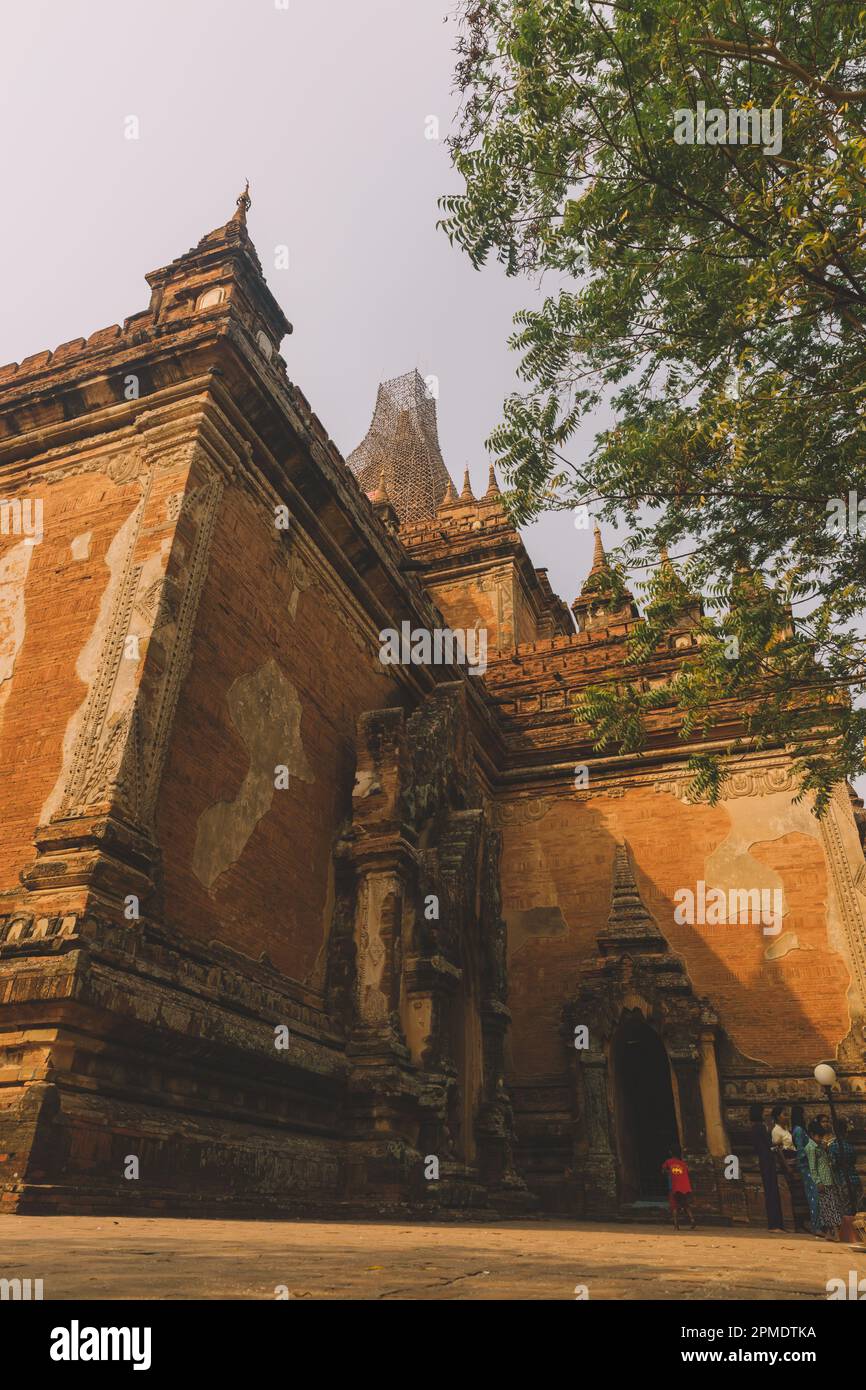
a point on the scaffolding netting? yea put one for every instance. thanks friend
(404, 436)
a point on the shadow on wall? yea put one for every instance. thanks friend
(557, 873)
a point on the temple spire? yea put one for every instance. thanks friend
(669, 584)
(492, 485)
(380, 492)
(450, 495)
(466, 494)
(224, 261)
(603, 597)
(382, 504)
(630, 925)
(243, 205)
(599, 559)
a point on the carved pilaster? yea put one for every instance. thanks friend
(99, 832)
(686, 1062)
(426, 972)
(850, 908)
(598, 1167)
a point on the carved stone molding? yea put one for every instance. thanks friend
(522, 812)
(845, 885)
(761, 779)
(758, 781)
(122, 463)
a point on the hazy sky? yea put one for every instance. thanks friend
(324, 106)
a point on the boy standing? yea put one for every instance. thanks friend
(680, 1186)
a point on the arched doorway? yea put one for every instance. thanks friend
(646, 1124)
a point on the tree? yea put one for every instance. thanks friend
(713, 295)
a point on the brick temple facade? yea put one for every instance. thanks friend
(296, 929)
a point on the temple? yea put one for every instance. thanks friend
(300, 931)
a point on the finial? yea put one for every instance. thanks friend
(244, 203)
(380, 492)
(450, 496)
(492, 485)
(466, 493)
(599, 559)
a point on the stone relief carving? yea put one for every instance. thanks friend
(121, 751)
(92, 765)
(758, 781)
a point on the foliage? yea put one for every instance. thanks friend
(714, 298)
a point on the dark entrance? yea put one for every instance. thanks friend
(646, 1123)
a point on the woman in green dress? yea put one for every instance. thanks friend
(824, 1178)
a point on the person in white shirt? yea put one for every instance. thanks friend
(785, 1151)
(781, 1137)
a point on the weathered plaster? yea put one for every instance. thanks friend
(80, 546)
(787, 942)
(731, 866)
(13, 577)
(266, 711)
(760, 820)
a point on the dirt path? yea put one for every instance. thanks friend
(140, 1258)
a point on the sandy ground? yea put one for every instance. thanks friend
(141, 1258)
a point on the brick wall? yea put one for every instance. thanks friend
(259, 606)
(557, 860)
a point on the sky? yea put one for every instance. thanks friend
(325, 106)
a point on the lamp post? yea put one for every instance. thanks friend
(826, 1078)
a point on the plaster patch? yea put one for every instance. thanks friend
(758, 821)
(787, 942)
(80, 546)
(365, 784)
(732, 866)
(266, 711)
(14, 565)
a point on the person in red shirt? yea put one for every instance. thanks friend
(680, 1193)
